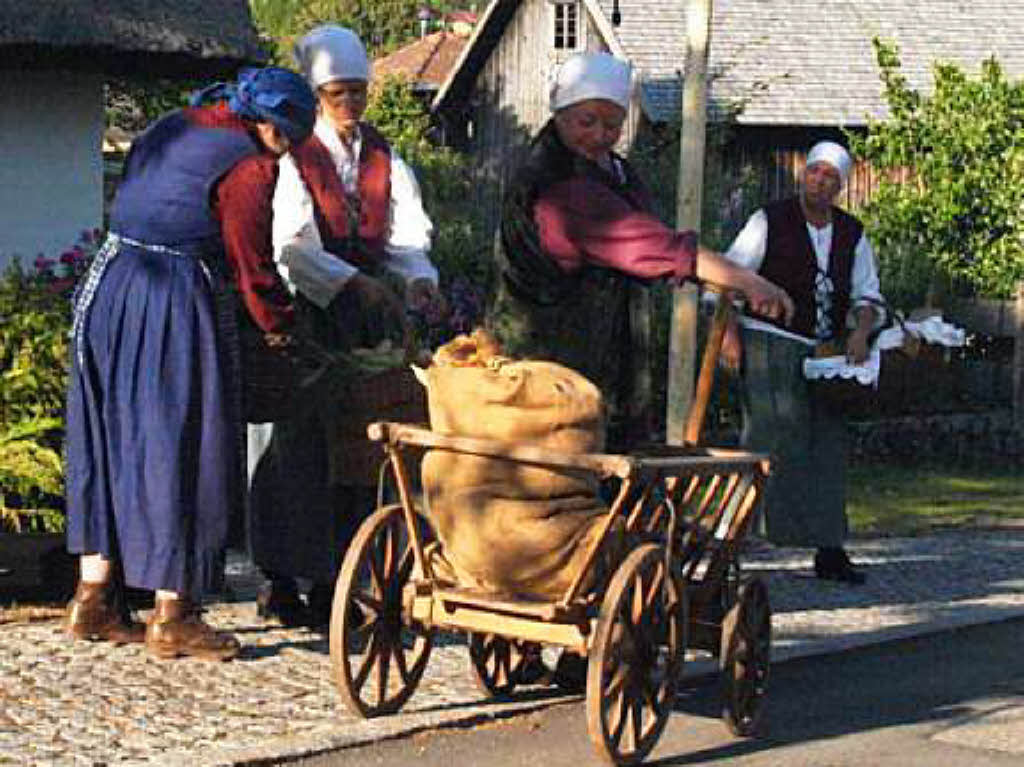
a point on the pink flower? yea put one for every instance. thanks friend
(70, 256)
(60, 285)
(44, 264)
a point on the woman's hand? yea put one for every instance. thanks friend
(422, 295)
(766, 299)
(370, 292)
(857, 346)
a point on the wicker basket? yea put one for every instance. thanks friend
(391, 395)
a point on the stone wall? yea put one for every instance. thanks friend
(984, 438)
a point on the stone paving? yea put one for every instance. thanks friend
(80, 703)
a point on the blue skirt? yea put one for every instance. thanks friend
(151, 459)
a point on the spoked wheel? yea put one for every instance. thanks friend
(746, 657)
(377, 654)
(636, 657)
(500, 664)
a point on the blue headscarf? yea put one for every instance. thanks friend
(272, 94)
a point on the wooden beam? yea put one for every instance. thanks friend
(682, 361)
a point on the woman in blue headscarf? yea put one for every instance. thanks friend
(152, 458)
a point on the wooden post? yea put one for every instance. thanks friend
(1018, 362)
(682, 356)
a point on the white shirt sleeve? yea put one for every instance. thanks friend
(749, 247)
(301, 259)
(864, 287)
(409, 227)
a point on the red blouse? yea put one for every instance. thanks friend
(242, 201)
(580, 221)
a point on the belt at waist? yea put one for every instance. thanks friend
(86, 291)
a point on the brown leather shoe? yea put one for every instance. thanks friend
(175, 628)
(95, 613)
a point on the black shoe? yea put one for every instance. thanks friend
(571, 672)
(832, 563)
(320, 601)
(533, 670)
(279, 599)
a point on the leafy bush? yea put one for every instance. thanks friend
(959, 218)
(34, 322)
(32, 477)
(383, 25)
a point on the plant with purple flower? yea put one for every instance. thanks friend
(434, 327)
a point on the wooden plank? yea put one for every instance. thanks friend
(540, 609)
(484, 622)
(602, 464)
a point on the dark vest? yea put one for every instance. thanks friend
(169, 178)
(356, 232)
(790, 263)
(583, 319)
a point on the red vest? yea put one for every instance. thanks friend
(353, 229)
(790, 263)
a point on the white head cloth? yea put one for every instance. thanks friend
(330, 53)
(587, 76)
(832, 153)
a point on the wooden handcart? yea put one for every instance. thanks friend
(685, 512)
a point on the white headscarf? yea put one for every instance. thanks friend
(591, 76)
(832, 153)
(330, 53)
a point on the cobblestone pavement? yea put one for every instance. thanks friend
(80, 703)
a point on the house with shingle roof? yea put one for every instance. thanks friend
(54, 58)
(426, 62)
(782, 74)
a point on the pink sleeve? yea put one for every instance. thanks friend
(581, 221)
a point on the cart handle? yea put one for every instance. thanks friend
(709, 361)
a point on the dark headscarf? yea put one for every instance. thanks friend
(271, 94)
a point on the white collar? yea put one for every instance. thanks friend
(327, 134)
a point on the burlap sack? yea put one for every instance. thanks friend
(507, 527)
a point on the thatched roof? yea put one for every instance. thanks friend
(186, 38)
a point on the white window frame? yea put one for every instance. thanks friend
(566, 13)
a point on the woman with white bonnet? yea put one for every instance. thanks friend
(346, 209)
(823, 259)
(578, 240)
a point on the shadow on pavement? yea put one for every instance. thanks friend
(857, 691)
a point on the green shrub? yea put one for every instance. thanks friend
(32, 477)
(35, 316)
(958, 218)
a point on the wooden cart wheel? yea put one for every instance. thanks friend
(745, 658)
(500, 664)
(377, 654)
(636, 657)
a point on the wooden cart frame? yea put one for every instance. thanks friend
(685, 512)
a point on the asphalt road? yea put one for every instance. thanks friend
(954, 699)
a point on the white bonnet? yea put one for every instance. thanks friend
(586, 76)
(330, 53)
(834, 154)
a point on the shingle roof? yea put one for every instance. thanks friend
(427, 61)
(810, 62)
(182, 36)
